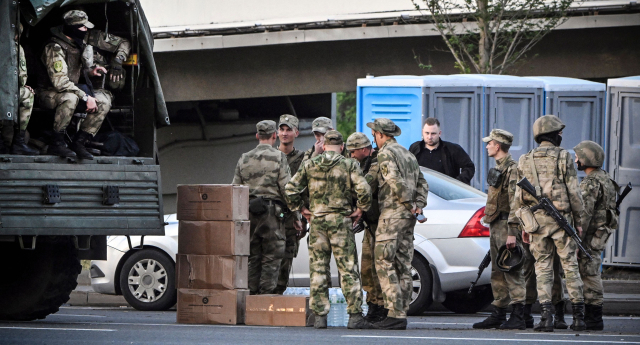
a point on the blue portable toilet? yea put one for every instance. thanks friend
(580, 104)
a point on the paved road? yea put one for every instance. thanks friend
(85, 325)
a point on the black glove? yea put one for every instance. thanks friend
(358, 227)
(117, 72)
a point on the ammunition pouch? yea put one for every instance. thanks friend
(257, 206)
(494, 178)
(527, 220)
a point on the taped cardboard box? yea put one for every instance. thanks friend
(214, 237)
(213, 202)
(211, 272)
(277, 310)
(211, 306)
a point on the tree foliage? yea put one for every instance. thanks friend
(346, 114)
(491, 36)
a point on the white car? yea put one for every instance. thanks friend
(448, 249)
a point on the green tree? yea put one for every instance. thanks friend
(491, 36)
(346, 113)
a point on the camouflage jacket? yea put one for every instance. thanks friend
(266, 172)
(558, 182)
(499, 198)
(370, 169)
(22, 76)
(104, 43)
(401, 185)
(63, 62)
(599, 196)
(331, 180)
(294, 158)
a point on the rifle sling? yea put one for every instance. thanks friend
(536, 182)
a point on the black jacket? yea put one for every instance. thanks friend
(456, 162)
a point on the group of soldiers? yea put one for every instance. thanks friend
(336, 189)
(544, 246)
(81, 63)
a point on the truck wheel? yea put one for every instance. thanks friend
(147, 280)
(421, 298)
(35, 283)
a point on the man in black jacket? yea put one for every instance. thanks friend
(442, 156)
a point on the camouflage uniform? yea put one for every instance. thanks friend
(529, 273)
(294, 159)
(331, 180)
(321, 125)
(266, 172)
(117, 49)
(401, 188)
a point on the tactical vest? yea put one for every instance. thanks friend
(604, 213)
(547, 160)
(72, 57)
(498, 197)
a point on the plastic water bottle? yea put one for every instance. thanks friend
(365, 306)
(343, 315)
(333, 318)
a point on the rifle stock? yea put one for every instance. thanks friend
(484, 264)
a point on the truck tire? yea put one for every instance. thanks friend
(148, 280)
(35, 283)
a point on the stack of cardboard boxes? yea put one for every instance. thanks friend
(213, 249)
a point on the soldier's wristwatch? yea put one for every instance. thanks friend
(85, 97)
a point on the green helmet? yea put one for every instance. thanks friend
(357, 141)
(547, 124)
(508, 260)
(590, 154)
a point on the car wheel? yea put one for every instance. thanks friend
(147, 280)
(460, 302)
(421, 298)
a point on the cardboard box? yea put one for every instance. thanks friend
(211, 306)
(277, 310)
(214, 237)
(213, 202)
(211, 272)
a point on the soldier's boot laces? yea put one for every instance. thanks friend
(357, 321)
(320, 322)
(19, 146)
(528, 318)
(375, 313)
(498, 317)
(546, 318)
(578, 317)
(516, 320)
(593, 317)
(78, 147)
(558, 320)
(58, 147)
(391, 323)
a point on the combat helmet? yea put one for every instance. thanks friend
(590, 154)
(547, 124)
(509, 260)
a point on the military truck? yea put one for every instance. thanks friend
(57, 211)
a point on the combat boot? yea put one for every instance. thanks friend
(357, 321)
(79, 141)
(19, 146)
(375, 313)
(320, 322)
(391, 323)
(546, 318)
(498, 317)
(516, 320)
(58, 147)
(578, 317)
(528, 318)
(558, 320)
(593, 317)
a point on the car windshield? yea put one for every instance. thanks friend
(449, 188)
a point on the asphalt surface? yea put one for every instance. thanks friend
(91, 325)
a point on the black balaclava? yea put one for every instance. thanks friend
(554, 137)
(75, 33)
(580, 166)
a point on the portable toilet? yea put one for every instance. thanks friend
(623, 157)
(579, 104)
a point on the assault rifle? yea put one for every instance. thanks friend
(623, 195)
(484, 264)
(546, 204)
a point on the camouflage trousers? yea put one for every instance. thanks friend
(266, 251)
(290, 251)
(65, 104)
(328, 234)
(394, 252)
(508, 287)
(25, 103)
(543, 247)
(370, 281)
(529, 272)
(590, 274)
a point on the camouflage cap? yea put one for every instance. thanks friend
(385, 126)
(266, 127)
(499, 135)
(333, 137)
(590, 154)
(76, 17)
(288, 120)
(547, 124)
(321, 124)
(357, 141)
